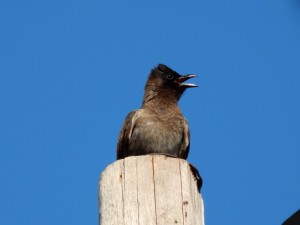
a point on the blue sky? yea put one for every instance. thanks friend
(70, 71)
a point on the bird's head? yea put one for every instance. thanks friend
(165, 81)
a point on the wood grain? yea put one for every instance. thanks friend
(149, 190)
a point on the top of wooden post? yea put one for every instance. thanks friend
(151, 189)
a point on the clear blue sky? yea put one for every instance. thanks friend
(70, 71)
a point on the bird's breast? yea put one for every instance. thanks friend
(154, 135)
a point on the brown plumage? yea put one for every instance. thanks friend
(159, 126)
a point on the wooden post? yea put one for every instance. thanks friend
(149, 190)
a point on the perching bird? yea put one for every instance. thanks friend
(159, 126)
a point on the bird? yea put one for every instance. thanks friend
(159, 126)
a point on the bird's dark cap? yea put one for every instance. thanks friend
(165, 69)
(179, 79)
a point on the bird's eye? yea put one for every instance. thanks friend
(170, 76)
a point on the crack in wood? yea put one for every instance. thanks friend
(182, 208)
(137, 191)
(123, 187)
(153, 177)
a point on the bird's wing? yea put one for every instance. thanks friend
(185, 143)
(125, 135)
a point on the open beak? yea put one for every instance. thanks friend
(181, 79)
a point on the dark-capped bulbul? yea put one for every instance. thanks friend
(158, 127)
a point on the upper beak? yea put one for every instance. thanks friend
(181, 79)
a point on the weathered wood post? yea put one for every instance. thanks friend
(146, 190)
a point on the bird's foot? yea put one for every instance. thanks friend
(165, 154)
